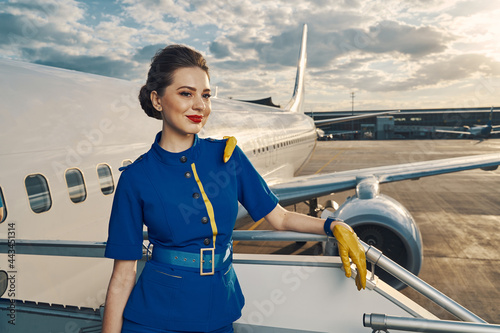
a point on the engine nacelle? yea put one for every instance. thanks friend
(384, 223)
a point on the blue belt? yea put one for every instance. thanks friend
(207, 261)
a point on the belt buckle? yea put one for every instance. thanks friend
(212, 250)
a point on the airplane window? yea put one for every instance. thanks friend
(3, 209)
(3, 282)
(76, 185)
(105, 179)
(38, 193)
(126, 162)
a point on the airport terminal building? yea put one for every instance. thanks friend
(407, 124)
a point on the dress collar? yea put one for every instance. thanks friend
(187, 156)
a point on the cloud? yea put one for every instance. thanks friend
(43, 24)
(456, 68)
(390, 36)
(447, 71)
(19, 29)
(13, 31)
(472, 7)
(48, 21)
(51, 33)
(145, 53)
(228, 67)
(327, 43)
(219, 50)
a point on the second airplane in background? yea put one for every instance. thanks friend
(476, 131)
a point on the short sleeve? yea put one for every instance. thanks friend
(125, 223)
(253, 192)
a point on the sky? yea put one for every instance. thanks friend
(390, 54)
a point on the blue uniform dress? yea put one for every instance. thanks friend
(188, 201)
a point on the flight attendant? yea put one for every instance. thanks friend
(186, 191)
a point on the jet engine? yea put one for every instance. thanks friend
(384, 223)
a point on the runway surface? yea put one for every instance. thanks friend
(458, 215)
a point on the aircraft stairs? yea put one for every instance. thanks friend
(284, 293)
(45, 317)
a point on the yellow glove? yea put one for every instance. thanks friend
(230, 145)
(350, 247)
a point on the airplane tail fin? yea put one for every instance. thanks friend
(491, 117)
(295, 104)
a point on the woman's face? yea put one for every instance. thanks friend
(185, 105)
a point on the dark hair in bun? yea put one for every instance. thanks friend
(161, 73)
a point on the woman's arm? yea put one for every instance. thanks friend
(282, 219)
(120, 285)
(349, 246)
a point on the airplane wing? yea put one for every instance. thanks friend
(344, 119)
(453, 132)
(345, 132)
(306, 187)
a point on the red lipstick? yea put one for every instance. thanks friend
(195, 118)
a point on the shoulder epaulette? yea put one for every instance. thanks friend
(230, 145)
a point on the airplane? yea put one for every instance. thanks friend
(65, 134)
(476, 131)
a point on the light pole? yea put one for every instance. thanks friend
(352, 111)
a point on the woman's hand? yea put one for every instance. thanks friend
(350, 247)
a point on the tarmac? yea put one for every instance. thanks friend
(458, 215)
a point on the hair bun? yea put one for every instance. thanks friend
(146, 104)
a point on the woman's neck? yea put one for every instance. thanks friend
(175, 143)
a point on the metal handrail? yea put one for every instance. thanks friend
(376, 257)
(273, 235)
(411, 280)
(384, 322)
